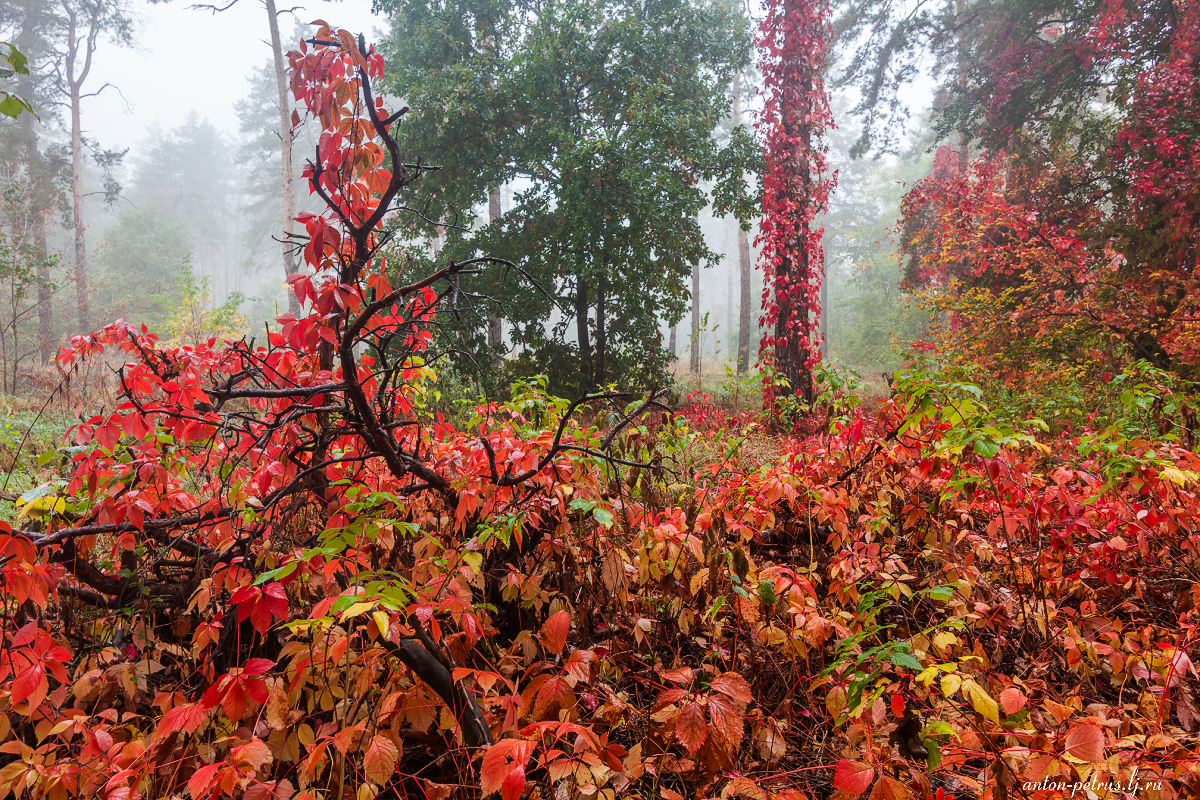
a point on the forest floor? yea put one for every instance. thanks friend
(912, 596)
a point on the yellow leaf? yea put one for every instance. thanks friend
(355, 610)
(381, 622)
(981, 701)
(944, 641)
(950, 684)
(1178, 477)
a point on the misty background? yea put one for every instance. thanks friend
(181, 125)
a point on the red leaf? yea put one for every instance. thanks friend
(31, 686)
(201, 783)
(731, 684)
(728, 724)
(1086, 742)
(554, 632)
(1012, 700)
(514, 784)
(502, 759)
(854, 777)
(185, 718)
(691, 727)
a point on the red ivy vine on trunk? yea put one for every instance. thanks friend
(794, 38)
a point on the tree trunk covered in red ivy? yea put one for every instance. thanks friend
(794, 38)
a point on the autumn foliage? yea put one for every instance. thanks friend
(277, 573)
(1073, 252)
(794, 39)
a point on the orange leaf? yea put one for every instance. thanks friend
(554, 694)
(1086, 742)
(502, 760)
(854, 777)
(889, 788)
(578, 665)
(1012, 700)
(691, 727)
(727, 724)
(252, 755)
(554, 632)
(379, 763)
(731, 684)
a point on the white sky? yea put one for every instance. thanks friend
(198, 60)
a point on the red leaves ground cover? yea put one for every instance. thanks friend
(280, 575)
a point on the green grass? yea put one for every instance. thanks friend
(31, 442)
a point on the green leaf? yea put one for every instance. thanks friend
(907, 661)
(44, 490)
(275, 574)
(986, 448)
(935, 754)
(940, 593)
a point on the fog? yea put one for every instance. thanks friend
(190, 102)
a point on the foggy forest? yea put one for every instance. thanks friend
(583, 399)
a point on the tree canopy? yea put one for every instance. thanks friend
(600, 117)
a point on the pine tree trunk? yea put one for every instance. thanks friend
(45, 308)
(285, 142)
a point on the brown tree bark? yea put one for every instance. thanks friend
(287, 178)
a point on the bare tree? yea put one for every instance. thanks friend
(285, 145)
(84, 21)
(286, 136)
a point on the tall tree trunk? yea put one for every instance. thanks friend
(74, 83)
(730, 345)
(285, 148)
(601, 339)
(792, 274)
(744, 312)
(673, 344)
(495, 332)
(695, 361)
(824, 351)
(744, 301)
(45, 308)
(581, 329)
(33, 167)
